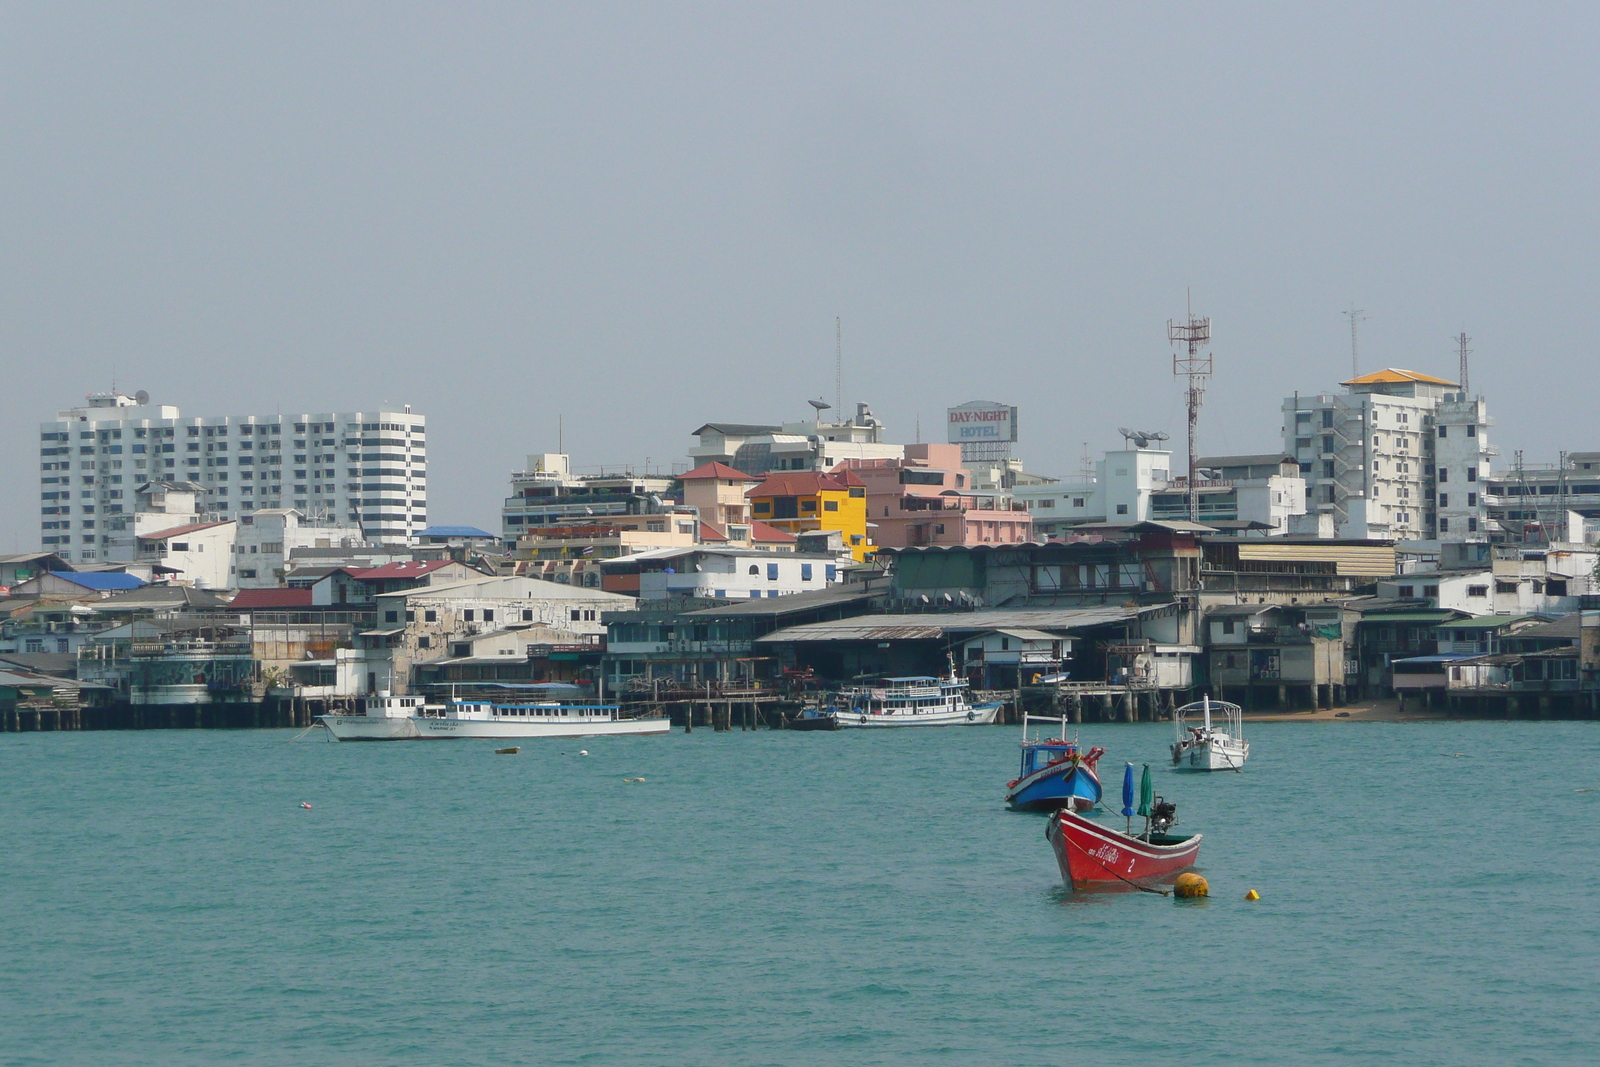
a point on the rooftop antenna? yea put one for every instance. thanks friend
(1356, 315)
(1086, 463)
(820, 405)
(1195, 334)
(561, 433)
(1461, 346)
(838, 363)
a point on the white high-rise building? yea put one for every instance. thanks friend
(1370, 456)
(367, 468)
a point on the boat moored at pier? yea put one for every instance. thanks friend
(920, 700)
(481, 718)
(380, 718)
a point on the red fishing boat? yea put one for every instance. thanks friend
(1093, 856)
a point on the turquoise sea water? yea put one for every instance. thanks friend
(777, 898)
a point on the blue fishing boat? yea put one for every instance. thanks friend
(1056, 773)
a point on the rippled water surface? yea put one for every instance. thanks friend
(1430, 895)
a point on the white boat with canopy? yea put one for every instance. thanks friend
(1216, 744)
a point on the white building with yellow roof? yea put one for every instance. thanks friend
(1397, 455)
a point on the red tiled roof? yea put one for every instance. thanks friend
(162, 535)
(797, 483)
(721, 471)
(411, 568)
(709, 532)
(847, 477)
(271, 598)
(760, 531)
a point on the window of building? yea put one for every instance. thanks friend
(424, 641)
(1227, 626)
(830, 505)
(1122, 509)
(1444, 500)
(1407, 592)
(1472, 474)
(938, 528)
(1472, 431)
(805, 572)
(430, 616)
(829, 572)
(1444, 525)
(1477, 590)
(1327, 418)
(1472, 525)
(772, 572)
(1444, 431)
(577, 615)
(1472, 500)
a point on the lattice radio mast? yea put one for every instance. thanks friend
(1195, 334)
(838, 366)
(1356, 315)
(1461, 344)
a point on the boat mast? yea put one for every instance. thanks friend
(1206, 705)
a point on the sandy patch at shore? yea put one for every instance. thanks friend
(1367, 711)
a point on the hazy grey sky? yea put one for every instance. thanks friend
(644, 217)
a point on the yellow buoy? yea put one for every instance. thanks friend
(1252, 895)
(1190, 884)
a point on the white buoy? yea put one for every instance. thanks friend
(583, 752)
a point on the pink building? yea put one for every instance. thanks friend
(925, 499)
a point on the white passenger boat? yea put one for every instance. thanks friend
(481, 718)
(380, 718)
(919, 700)
(1208, 746)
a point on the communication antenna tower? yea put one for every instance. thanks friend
(1356, 315)
(1086, 463)
(1194, 334)
(1461, 345)
(838, 363)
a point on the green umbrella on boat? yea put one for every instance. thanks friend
(1146, 793)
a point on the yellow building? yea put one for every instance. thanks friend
(801, 502)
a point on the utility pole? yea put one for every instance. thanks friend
(1356, 315)
(1195, 334)
(1461, 345)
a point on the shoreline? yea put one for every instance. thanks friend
(1365, 711)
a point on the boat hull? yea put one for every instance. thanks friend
(511, 729)
(812, 722)
(1216, 754)
(1092, 856)
(973, 715)
(1051, 788)
(369, 728)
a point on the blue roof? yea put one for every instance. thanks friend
(101, 580)
(456, 531)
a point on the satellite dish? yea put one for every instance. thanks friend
(141, 398)
(1140, 438)
(820, 405)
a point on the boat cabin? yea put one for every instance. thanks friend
(391, 707)
(1036, 756)
(483, 711)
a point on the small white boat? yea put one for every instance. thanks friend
(481, 718)
(1208, 746)
(920, 700)
(380, 718)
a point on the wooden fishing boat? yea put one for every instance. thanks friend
(1055, 772)
(1094, 856)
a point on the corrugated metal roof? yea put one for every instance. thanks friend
(1370, 560)
(935, 626)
